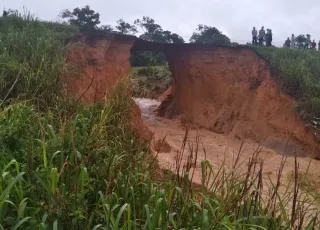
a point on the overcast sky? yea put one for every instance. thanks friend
(233, 17)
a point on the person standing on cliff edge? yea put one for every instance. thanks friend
(313, 45)
(5, 13)
(254, 36)
(268, 38)
(262, 34)
(287, 43)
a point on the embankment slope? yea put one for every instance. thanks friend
(103, 60)
(232, 90)
(228, 90)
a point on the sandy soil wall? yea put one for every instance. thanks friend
(232, 91)
(103, 61)
(226, 90)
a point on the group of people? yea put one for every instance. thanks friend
(261, 37)
(304, 43)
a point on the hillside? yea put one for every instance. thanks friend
(66, 164)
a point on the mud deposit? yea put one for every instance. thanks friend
(219, 148)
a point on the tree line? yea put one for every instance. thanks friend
(87, 20)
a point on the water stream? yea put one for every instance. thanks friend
(147, 107)
(219, 149)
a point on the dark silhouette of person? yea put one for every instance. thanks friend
(308, 42)
(254, 36)
(313, 45)
(262, 34)
(319, 46)
(267, 37)
(293, 41)
(287, 42)
(270, 37)
(5, 13)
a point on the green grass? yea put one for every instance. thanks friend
(150, 81)
(32, 58)
(74, 166)
(298, 74)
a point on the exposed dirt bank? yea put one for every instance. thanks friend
(227, 90)
(103, 61)
(232, 91)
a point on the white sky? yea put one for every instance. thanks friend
(233, 17)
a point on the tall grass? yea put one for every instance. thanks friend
(85, 169)
(32, 57)
(298, 74)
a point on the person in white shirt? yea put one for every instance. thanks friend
(254, 36)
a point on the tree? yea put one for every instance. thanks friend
(125, 28)
(154, 32)
(209, 35)
(105, 28)
(85, 18)
(172, 37)
(302, 40)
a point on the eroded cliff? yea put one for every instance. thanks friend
(103, 61)
(231, 90)
(228, 90)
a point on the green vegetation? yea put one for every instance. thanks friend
(298, 74)
(150, 81)
(87, 20)
(31, 58)
(209, 35)
(64, 165)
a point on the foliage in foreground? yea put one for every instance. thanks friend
(89, 172)
(83, 168)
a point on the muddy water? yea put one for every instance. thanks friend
(218, 148)
(147, 107)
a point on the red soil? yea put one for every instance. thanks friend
(104, 61)
(222, 89)
(232, 91)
